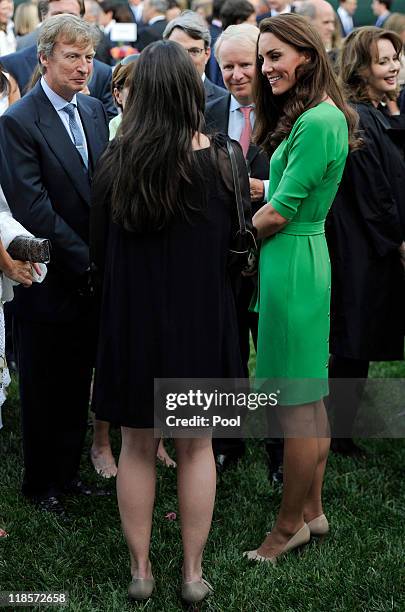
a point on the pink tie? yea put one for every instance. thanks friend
(246, 133)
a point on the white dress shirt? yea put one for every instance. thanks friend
(236, 122)
(346, 19)
(59, 103)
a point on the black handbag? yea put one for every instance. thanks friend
(29, 248)
(243, 249)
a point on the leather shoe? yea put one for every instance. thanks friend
(141, 588)
(50, 503)
(225, 461)
(301, 537)
(196, 591)
(77, 487)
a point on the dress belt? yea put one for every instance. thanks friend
(304, 228)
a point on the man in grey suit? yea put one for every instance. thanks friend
(190, 31)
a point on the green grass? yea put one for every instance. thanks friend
(360, 567)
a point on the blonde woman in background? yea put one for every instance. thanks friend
(25, 19)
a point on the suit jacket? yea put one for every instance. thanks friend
(158, 27)
(48, 188)
(216, 119)
(212, 91)
(21, 65)
(27, 40)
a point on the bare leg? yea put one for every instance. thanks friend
(301, 458)
(313, 502)
(163, 455)
(101, 454)
(136, 495)
(196, 483)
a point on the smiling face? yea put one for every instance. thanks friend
(383, 73)
(237, 63)
(68, 68)
(280, 62)
(6, 10)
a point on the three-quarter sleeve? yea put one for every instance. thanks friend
(307, 161)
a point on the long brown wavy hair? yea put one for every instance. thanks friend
(276, 115)
(358, 53)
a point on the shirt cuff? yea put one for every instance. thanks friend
(266, 190)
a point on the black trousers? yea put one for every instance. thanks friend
(55, 364)
(247, 323)
(347, 379)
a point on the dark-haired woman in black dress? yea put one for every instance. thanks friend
(168, 309)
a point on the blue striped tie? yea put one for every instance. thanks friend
(76, 132)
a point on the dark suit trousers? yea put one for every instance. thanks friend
(55, 363)
(247, 322)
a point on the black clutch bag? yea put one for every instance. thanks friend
(27, 248)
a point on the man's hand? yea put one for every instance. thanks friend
(256, 190)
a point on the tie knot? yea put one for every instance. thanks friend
(246, 110)
(70, 109)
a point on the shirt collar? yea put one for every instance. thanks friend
(234, 105)
(55, 99)
(155, 19)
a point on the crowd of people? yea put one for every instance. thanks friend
(126, 169)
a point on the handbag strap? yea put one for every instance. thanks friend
(236, 186)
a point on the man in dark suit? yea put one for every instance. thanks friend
(154, 17)
(233, 114)
(381, 9)
(190, 31)
(22, 63)
(50, 141)
(345, 13)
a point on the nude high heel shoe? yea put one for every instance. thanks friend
(298, 539)
(319, 526)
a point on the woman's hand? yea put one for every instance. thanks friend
(20, 272)
(268, 221)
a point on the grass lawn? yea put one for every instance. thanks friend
(360, 567)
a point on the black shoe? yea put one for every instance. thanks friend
(347, 448)
(225, 461)
(77, 487)
(49, 503)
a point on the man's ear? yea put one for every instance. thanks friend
(207, 55)
(43, 60)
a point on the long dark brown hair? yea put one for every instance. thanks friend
(359, 51)
(151, 160)
(276, 115)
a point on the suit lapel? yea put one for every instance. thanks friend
(55, 134)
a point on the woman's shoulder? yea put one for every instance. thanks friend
(319, 119)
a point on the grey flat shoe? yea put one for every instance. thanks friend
(141, 588)
(298, 539)
(319, 526)
(193, 592)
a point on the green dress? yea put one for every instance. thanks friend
(293, 298)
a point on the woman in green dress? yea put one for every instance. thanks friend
(303, 119)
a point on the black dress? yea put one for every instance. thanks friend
(364, 229)
(167, 303)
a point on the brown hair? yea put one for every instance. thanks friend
(358, 53)
(276, 115)
(120, 77)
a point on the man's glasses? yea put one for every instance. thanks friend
(195, 51)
